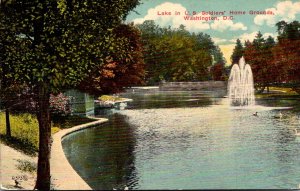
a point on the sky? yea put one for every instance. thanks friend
(227, 26)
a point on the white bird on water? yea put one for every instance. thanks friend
(255, 114)
(279, 116)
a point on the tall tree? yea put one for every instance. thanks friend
(218, 56)
(259, 55)
(205, 42)
(286, 53)
(218, 71)
(4, 81)
(176, 54)
(270, 42)
(237, 52)
(9, 88)
(289, 31)
(150, 33)
(56, 44)
(123, 67)
(259, 41)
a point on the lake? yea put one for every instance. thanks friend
(190, 140)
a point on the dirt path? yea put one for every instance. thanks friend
(10, 159)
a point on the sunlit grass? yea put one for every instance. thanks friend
(278, 92)
(283, 89)
(25, 130)
(110, 98)
(54, 130)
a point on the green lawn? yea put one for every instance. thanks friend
(25, 131)
(283, 90)
(278, 92)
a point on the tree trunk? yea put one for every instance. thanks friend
(8, 129)
(43, 171)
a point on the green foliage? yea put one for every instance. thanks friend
(205, 42)
(123, 67)
(53, 45)
(270, 42)
(218, 56)
(59, 42)
(288, 30)
(54, 130)
(238, 52)
(24, 126)
(279, 93)
(60, 104)
(176, 54)
(24, 130)
(286, 90)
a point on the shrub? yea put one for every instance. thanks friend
(60, 104)
(26, 166)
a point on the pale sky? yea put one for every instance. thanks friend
(223, 31)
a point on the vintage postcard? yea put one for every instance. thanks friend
(149, 94)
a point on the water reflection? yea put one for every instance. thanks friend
(189, 140)
(172, 99)
(104, 155)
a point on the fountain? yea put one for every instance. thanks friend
(240, 85)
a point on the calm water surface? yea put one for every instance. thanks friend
(189, 140)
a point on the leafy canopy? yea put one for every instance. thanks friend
(58, 42)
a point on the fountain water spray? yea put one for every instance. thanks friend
(240, 85)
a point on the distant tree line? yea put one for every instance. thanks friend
(273, 62)
(179, 55)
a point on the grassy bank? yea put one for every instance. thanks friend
(110, 98)
(280, 92)
(25, 130)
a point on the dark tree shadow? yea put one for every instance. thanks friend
(20, 145)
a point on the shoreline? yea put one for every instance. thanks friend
(63, 175)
